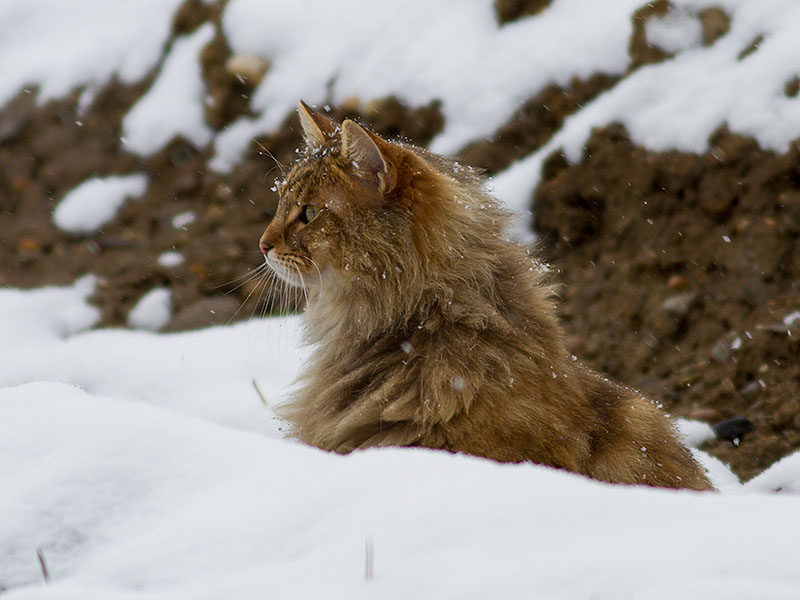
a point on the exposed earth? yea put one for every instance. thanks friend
(678, 270)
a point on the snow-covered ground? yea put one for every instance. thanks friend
(143, 465)
(147, 466)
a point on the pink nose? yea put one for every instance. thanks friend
(265, 247)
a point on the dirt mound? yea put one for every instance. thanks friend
(681, 275)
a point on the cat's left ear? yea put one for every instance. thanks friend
(317, 128)
(363, 150)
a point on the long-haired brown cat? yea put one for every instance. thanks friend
(432, 329)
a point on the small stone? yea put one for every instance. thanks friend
(679, 304)
(29, 245)
(677, 282)
(727, 387)
(733, 429)
(247, 68)
(215, 214)
(750, 391)
(708, 415)
(223, 191)
(199, 269)
(721, 351)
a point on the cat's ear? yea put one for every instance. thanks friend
(363, 150)
(317, 128)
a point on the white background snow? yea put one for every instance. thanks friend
(143, 465)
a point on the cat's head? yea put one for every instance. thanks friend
(381, 221)
(334, 216)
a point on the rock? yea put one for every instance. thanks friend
(733, 429)
(677, 282)
(204, 312)
(247, 68)
(750, 391)
(29, 245)
(721, 351)
(709, 415)
(679, 304)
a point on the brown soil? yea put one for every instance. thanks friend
(653, 293)
(678, 271)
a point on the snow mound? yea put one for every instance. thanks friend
(152, 311)
(146, 466)
(96, 202)
(42, 316)
(142, 502)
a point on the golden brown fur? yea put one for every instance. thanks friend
(432, 329)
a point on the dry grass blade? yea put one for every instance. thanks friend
(369, 554)
(43, 565)
(260, 395)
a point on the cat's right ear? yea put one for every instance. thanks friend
(364, 152)
(317, 128)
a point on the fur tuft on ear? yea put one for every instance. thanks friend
(361, 148)
(317, 128)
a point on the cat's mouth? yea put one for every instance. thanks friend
(286, 269)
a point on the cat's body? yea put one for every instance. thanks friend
(431, 329)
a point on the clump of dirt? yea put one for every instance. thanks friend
(716, 23)
(511, 10)
(639, 48)
(682, 276)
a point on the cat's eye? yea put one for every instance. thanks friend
(309, 213)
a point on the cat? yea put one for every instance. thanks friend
(432, 329)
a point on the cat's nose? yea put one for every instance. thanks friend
(265, 247)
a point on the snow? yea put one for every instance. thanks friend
(146, 466)
(59, 45)
(183, 219)
(152, 311)
(174, 104)
(459, 55)
(792, 318)
(170, 259)
(96, 202)
(677, 30)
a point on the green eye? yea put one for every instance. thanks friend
(309, 213)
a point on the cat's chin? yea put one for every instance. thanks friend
(286, 276)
